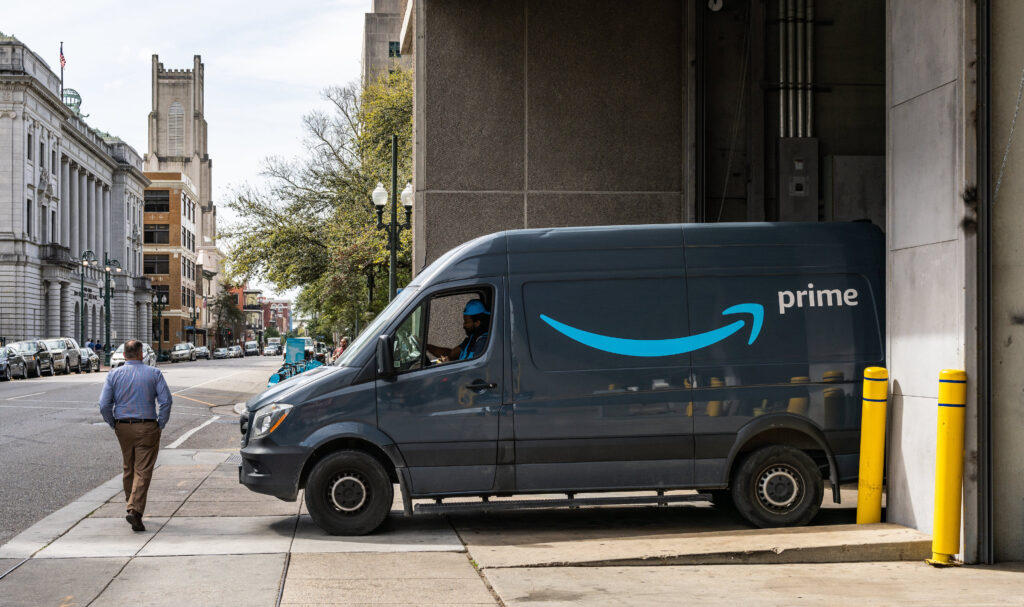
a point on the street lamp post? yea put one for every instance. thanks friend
(159, 302)
(108, 266)
(380, 196)
(193, 314)
(88, 259)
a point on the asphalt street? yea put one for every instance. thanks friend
(55, 446)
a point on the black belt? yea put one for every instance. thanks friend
(132, 421)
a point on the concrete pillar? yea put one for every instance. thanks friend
(53, 308)
(95, 205)
(67, 313)
(106, 221)
(65, 203)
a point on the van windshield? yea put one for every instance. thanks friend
(368, 338)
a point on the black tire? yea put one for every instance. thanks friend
(7, 374)
(36, 371)
(777, 486)
(53, 370)
(67, 367)
(349, 493)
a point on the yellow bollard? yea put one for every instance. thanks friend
(872, 445)
(715, 406)
(798, 404)
(949, 466)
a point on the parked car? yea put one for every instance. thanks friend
(90, 360)
(12, 363)
(37, 356)
(65, 355)
(272, 350)
(252, 348)
(148, 356)
(183, 351)
(203, 352)
(221, 353)
(235, 352)
(321, 352)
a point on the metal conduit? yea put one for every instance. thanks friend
(782, 69)
(796, 68)
(810, 68)
(800, 53)
(791, 64)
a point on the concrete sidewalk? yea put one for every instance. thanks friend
(210, 541)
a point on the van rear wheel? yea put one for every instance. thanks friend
(777, 486)
(349, 493)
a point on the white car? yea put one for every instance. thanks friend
(183, 351)
(148, 356)
(235, 352)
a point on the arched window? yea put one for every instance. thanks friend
(176, 130)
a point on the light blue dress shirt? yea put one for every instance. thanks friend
(131, 392)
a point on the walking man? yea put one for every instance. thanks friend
(127, 405)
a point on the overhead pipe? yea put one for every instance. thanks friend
(800, 54)
(782, 69)
(791, 64)
(810, 68)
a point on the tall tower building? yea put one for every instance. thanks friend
(178, 144)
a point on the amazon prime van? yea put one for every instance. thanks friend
(724, 358)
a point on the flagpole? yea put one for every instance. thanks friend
(62, 70)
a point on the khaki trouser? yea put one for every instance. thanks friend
(140, 443)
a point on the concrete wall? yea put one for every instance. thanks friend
(1007, 282)
(533, 114)
(930, 274)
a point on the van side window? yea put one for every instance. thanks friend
(460, 325)
(408, 353)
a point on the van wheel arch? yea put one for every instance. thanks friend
(347, 444)
(791, 430)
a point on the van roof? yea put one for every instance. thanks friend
(487, 255)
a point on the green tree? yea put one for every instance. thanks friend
(313, 226)
(227, 313)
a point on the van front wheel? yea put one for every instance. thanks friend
(777, 486)
(349, 493)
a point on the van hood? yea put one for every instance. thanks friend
(303, 386)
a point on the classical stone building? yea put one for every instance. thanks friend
(178, 145)
(382, 28)
(67, 189)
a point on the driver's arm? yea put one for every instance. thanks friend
(441, 351)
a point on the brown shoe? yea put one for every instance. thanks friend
(135, 519)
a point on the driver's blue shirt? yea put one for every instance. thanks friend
(473, 346)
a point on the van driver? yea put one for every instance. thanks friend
(475, 319)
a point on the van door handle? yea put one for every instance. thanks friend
(480, 385)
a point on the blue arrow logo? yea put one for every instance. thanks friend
(664, 347)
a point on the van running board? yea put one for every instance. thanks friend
(570, 502)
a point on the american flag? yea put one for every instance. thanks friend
(62, 61)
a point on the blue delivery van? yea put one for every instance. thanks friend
(724, 358)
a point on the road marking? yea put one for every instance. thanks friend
(196, 400)
(188, 434)
(211, 380)
(26, 395)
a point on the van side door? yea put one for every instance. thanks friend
(443, 411)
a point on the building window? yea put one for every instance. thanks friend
(53, 161)
(157, 233)
(28, 218)
(30, 146)
(176, 130)
(42, 154)
(155, 264)
(158, 201)
(394, 49)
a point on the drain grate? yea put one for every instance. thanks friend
(234, 458)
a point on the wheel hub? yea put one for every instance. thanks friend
(347, 493)
(779, 488)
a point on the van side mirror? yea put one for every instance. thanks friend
(385, 358)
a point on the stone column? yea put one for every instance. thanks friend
(73, 202)
(65, 202)
(53, 308)
(90, 217)
(106, 221)
(67, 311)
(83, 211)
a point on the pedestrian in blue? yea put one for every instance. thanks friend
(127, 405)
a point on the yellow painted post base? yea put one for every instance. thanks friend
(943, 560)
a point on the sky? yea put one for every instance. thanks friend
(266, 63)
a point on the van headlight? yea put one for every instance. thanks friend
(268, 419)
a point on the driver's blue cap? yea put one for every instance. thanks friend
(474, 307)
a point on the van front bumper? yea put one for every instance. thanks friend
(272, 470)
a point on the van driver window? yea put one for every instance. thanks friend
(459, 327)
(407, 350)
